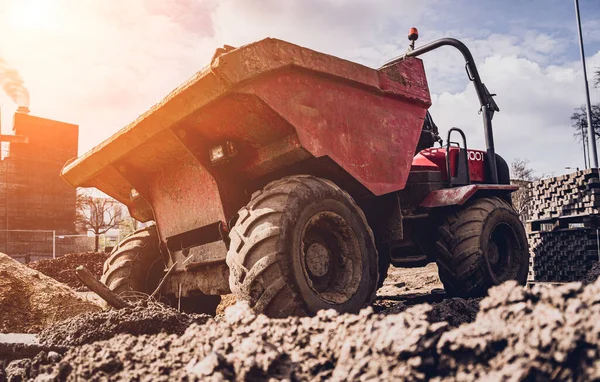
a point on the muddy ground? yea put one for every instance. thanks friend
(413, 332)
(539, 333)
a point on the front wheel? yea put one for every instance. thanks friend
(135, 266)
(301, 245)
(482, 245)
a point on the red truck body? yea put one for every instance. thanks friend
(279, 104)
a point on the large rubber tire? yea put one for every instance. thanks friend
(482, 245)
(302, 245)
(135, 265)
(135, 268)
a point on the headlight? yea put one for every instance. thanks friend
(217, 154)
(222, 153)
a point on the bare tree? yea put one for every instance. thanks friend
(520, 170)
(579, 122)
(522, 175)
(97, 214)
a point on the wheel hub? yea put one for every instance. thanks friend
(317, 260)
(331, 257)
(502, 248)
(493, 255)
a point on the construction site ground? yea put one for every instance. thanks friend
(413, 331)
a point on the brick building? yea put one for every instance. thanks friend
(33, 197)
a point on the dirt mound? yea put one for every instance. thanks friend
(63, 268)
(540, 333)
(592, 275)
(545, 333)
(455, 311)
(248, 347)
(30, 301)
(144, 318)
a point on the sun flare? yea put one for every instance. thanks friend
(33, 14)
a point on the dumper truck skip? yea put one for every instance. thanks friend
(293, 179)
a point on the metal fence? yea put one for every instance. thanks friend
(33, 245)
(4, 150)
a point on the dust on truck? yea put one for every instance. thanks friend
(293, 179)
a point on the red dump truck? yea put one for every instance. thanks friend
(293, 179)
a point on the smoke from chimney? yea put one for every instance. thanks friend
(13, 85)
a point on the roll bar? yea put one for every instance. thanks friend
(486, 99)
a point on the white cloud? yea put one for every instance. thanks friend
(360, 30)
(535, 102)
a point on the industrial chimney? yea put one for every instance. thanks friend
(23, 110)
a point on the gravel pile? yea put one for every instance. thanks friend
(146, 317)
(62, 268)
(542, 333)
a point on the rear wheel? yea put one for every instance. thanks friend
(301, 245)
(135, 268)
(482, 245)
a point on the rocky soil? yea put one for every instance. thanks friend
(543, 332)
(62, 268)
(539, 333)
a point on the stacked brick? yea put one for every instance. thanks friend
(562, 229)
(563, 255)
(567, 195)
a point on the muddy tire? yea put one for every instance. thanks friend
(482, 245)
(135, 268)
(302, 245)
(135, 265)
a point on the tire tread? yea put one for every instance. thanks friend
(258, 226)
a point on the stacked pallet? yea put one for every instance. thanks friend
(562, 232)
(562, 256)
(567, 195)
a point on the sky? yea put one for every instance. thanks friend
(100, 64)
